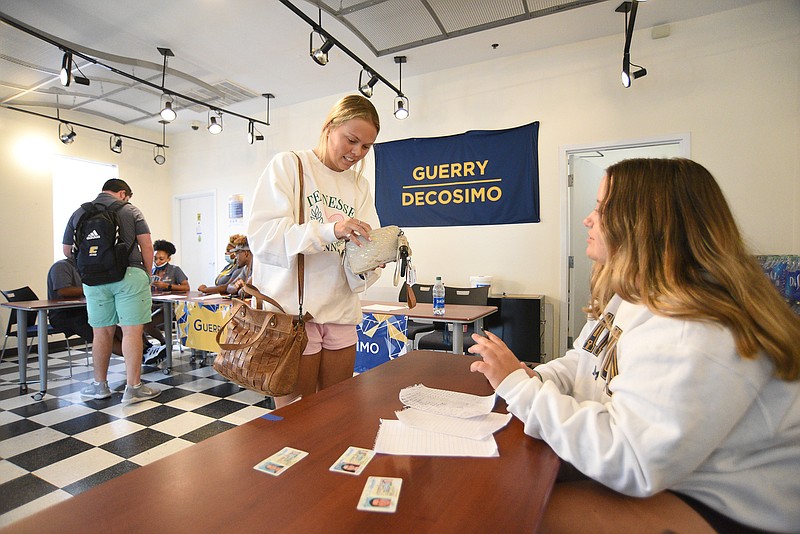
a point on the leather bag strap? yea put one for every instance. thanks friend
(242, 306)
(251, 290)
(301, 259)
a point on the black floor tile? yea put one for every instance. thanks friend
(54, 389)
(49, 454)
(21, 490)
(177, 380)
(205, 432)
(171, 394)
(221, 408)
(17, 428)
(138, 442)
(100, 477)
(36, 408)
(223, 390)
(84, 422)
(154, 415)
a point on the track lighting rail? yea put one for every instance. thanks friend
(317, 28)
(31, 31)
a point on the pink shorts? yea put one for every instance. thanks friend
(329, 336)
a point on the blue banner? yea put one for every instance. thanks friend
(381, 338)
(479, 177)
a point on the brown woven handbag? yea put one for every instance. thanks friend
(262, 348)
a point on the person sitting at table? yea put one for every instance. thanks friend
(230, 271)
(64, 282)
(165, 277)
(679, 404)
(244, 264)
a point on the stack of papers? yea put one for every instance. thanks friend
(438, 422)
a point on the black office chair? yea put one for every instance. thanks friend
(424, 294)
(32, 332)
(442, 338)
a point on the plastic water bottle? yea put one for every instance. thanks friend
(438, 297)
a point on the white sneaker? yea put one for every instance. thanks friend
(96, 390)
(139, 393)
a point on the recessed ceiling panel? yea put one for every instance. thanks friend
(394, 23)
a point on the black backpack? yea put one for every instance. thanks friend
(101, 255)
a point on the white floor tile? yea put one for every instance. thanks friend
(62, 414)
(244, 415)
(8, 417)
(161, 451)
(32, 507)
(126, 410)
(103, 434)
(23, 400)
(200, 385)
(247, 396)
(193, 401)
(182, 424)
(28, 441)
(76, 467)
(9, 471)
(203, 371)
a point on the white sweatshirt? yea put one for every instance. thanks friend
(276, 237)
(685, 413)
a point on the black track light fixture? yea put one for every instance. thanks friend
(115, 144)
(366, 88)
(253, 134)
(167, 110)
(400, 101)
(65, 74)
(159, 155)
(214, 122)
(627, 76)
(66, 133)
(320, 55)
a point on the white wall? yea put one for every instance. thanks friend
(27, 149)
(732, 80)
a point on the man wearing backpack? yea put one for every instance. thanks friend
(111, 241)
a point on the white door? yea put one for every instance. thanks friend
(585, 167)
(197, 246)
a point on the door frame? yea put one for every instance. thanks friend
(683, 141)
(176, 221)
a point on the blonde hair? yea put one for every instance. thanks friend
(348, 108)
(674, 246)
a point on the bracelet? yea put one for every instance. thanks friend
(169, 287)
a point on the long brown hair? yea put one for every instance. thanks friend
(349, 107)
(674, 246)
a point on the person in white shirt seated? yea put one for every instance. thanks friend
(679, 403)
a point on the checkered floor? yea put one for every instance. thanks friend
(53, 449)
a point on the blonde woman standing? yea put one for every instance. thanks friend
(338, 205)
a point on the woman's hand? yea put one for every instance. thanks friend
(202, 288)
(160, 285)
(498, 360)
(352, 228)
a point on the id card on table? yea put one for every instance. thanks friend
(380, 495)
(280, 461)
(353, 461)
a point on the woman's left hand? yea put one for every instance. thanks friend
(498, 360)
(352, 229)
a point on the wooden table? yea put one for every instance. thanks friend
(40, 307)
(212, 486)
(458, 314)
